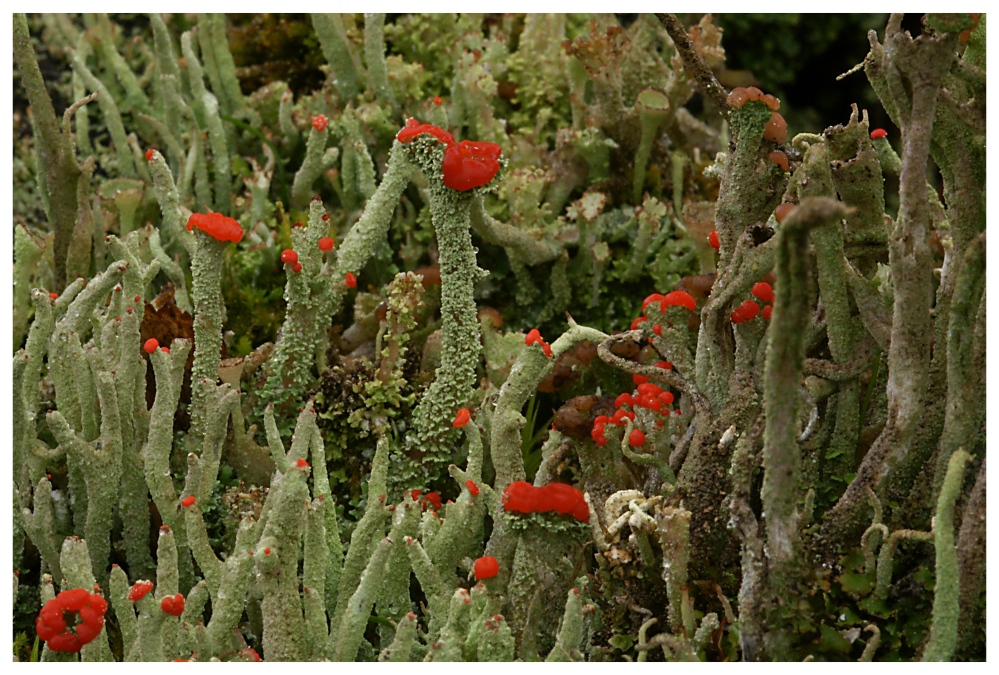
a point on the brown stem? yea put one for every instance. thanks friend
(693, 62)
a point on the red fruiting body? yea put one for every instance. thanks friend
(655, 297)
(188, 501)
(54, 295)
(780, 159)
(319, 122)
(413, 129)
(679, 299)
(522, 497)
(713, 240)
(351, 280)
(597, 432)
(289, 256)
(737, 97)
(772, 102)
(216, 225)
(647, 388)
(415, 494)
(51, 624)
(139, 590)
(547, 348)
(150, 345)
(622, 415)
(639, 379)
(165, 350)
(325, 244)
(657, 329)
(470, 164)
(749, 309)
(665, 365)
(461, 418)
(250, 654)
(878, 133)
(486, 567)
(763, 291)
(326, 217)
(666, 397)
(737, 315)
(651, 402)
(267, 551)
(434, 499)
(301, 463)
(767, 312)
(74, 599)
(533, 335)
(636, 322)
(438, 100)
(473, 489)
(519, 497)
(623, 399)
(637, 438)
(149, 154)
(173, 604)
(296, 268)
(776, 129)
(782, 211)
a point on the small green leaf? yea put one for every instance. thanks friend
(876, 607)
(857, 583)
(622, 642)
(833, 641)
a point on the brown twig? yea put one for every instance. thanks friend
(693, 62)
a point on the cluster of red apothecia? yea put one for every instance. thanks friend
(646, 395)
(75, 617)
(749, 309)
(467, 164)
(290, 256)
(522, 497)
(216, 225)
(81, 607)
(431, 500)
(776, 129)
(534, 337)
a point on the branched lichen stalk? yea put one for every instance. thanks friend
(785, 356)
(925, 61)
